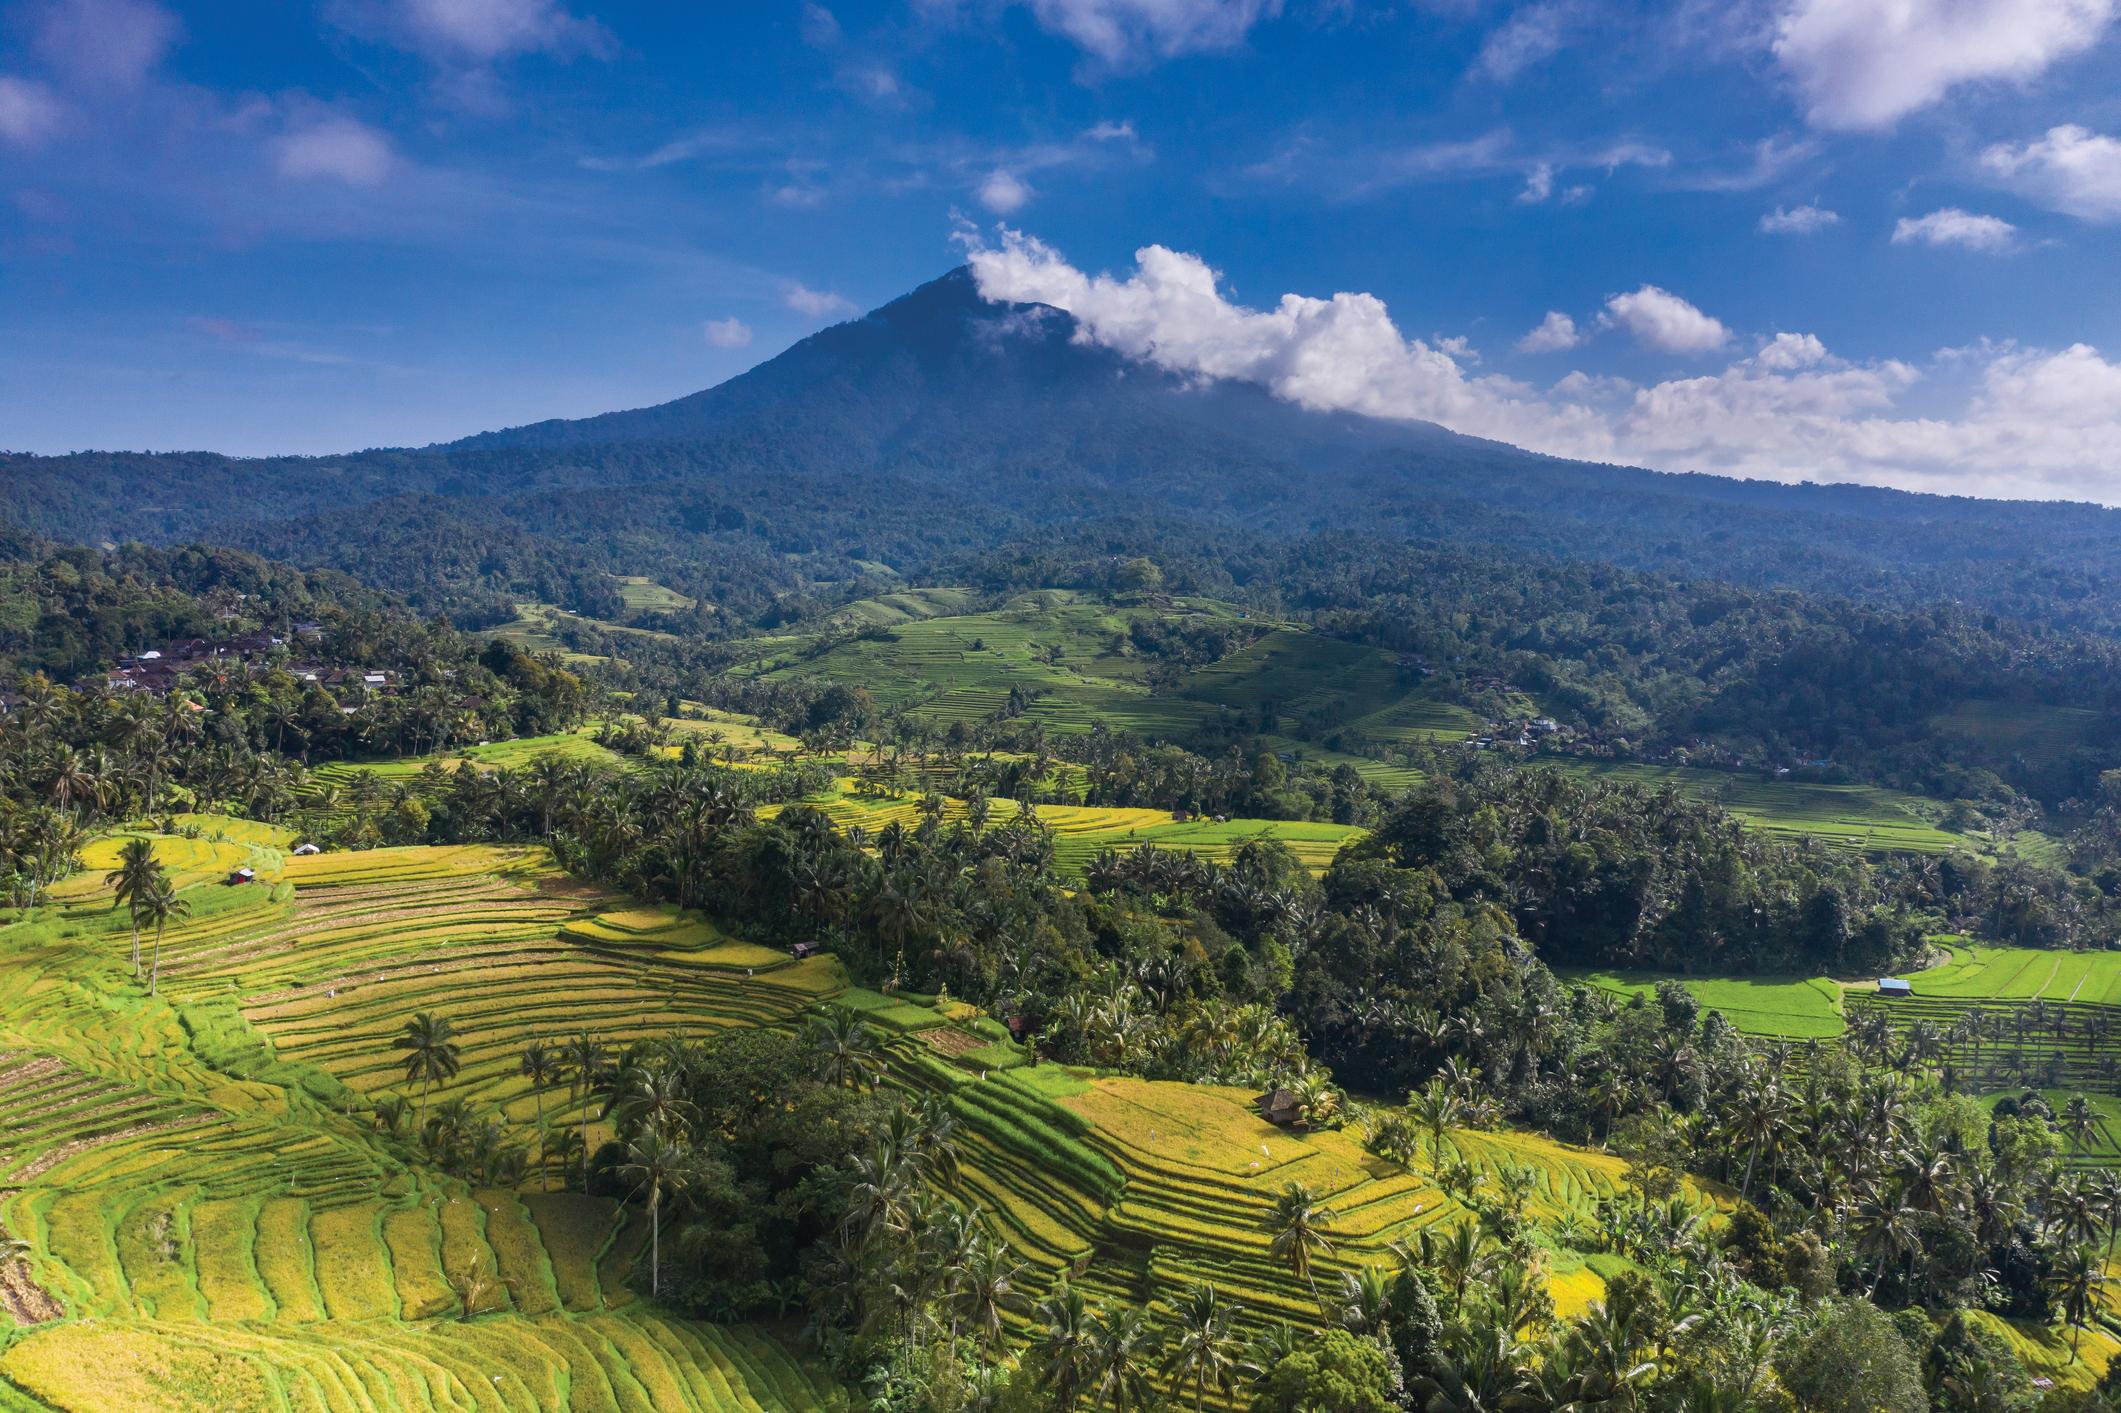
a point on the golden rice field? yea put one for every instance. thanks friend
(1081, 832)
(212, 1226)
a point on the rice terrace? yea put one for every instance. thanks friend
(1060, 706)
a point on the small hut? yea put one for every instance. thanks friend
(1279, 1107)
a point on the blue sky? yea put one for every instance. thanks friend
(1846, 239)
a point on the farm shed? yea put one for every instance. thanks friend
(1894, 986)
(1278, 1106)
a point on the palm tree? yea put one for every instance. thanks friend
(2078, 1120)
(1202, 1347)
(846, 1047)
(1124, 1351)
(987, 1290)
(159, 904)
(432, 1055)
(136, 868)
(2078, 1277)
(1297, 1226)
(538, 1066)
(653, 1098)
(1438, 1109)
(660, 1165)
(1063, 1344)
(583, 1057)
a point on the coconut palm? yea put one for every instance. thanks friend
(846, 1048)
(1297, 1226)
(136, 868)
(987, 1288)
(158, 904)
(539, 1065)
(1064, 1345)
(1202, 1347)
(432, 1055)
(657, 1165)
(2078, 1118)
(653, 1098)
(1123, 1352)
(2077, 1278)
(1437, 1108)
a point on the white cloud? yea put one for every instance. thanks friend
(820, 27)
(1662, 320)
(1555, 332)
(1109, 131)
(1786, 353)
(727, 333)
(815, 303)
(476, 31)
(111, 44)
(1538, 184)
(2072, 169)
(1991, 235)
(1798, 220)
(2029, 423)
(29, 112)
(1128, 32)
(1003, 192)
(1533, 35)
(1864, 64)
(337, 148)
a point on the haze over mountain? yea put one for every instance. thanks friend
(941, 427)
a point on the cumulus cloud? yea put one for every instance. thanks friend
(728, 333)
(1865, 64)
(336, 148)
(815, 303)
(110, 44)
(1554, 333)
(1798, 220)
(1124, 33)
(1662, 320)
(29, 112)
(459, 32)
(1950, 226)
(2073, 170)
(1003, 192)
(2029, 422)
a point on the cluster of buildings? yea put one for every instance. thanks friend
(1523, 733)
(159, 669)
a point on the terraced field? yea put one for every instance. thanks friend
(212, 1227)
(1848, 816)
(1788, 1007)
(1981, 972)
(1082, 831)
(498, 755)
(1067, 653)
(642, 594)
(1140, 1188)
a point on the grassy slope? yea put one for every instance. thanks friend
(197, 1189)
(1785, 1007)
(188, 1175)
(1081, 831)
(932, 666)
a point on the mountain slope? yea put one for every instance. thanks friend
(940, 428)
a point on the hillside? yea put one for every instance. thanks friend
(839, 452)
